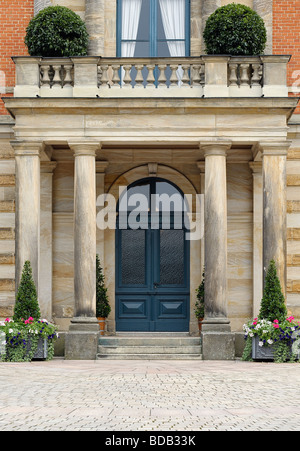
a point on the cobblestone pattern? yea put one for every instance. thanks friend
(149, 396)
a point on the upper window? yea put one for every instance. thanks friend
(149, 28)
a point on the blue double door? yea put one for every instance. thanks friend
(152, 290)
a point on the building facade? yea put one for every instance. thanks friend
(145, 112)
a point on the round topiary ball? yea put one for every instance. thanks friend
(235, 29)
(56, 31)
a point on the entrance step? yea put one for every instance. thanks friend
(150, 347)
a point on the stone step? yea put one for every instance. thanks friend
(149, 349)
(149, 341)
(141, 346)
(149, 356)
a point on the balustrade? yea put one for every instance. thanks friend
(204, 76)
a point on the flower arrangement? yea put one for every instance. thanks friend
(22, 336)
(281, 334)
(273, 326)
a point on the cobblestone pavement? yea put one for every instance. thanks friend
(149, 396)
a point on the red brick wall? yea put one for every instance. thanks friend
(286, 37)
(14, 18)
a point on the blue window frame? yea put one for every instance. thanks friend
(150, 38)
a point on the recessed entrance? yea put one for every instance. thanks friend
(152, 258)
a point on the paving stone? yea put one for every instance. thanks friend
(149, 396)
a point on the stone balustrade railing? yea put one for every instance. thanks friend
(205, 76)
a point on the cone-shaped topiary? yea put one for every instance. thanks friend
(235, 29)
(26, 300)
(102, 304)
(56, 31)
(273, 302)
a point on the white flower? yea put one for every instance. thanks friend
(261, 344)
(270, 341)
(258, 326)
(251, 335)
(10, 331)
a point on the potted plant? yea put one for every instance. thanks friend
(273, 333)
(56, 31)
(199, 306)
(235, 29)
(27, 336)
(102, 303)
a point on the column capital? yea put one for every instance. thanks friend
(256, 167)
(201, 166)
(101, 167)
(215, 148)
(47, 167)
(84, 148)
(269, 148)
(27, 148)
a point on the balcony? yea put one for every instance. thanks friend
(186, 77)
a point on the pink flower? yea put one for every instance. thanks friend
(290, 319)
(7, 320)
(276, 326)
(276, 321)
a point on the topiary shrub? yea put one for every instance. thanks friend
(235, 29)
(56, 32)
(273, 303)
(27, 300)
(102, 303)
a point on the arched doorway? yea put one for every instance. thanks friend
(152, 259)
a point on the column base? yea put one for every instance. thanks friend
(218, 345)
(216, 325)
(81, 342)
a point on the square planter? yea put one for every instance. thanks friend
(41, 352)
(261, 352)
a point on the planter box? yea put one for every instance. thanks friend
(261, 352)
(41, 352)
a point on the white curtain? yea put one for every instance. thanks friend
(131, 10)
(173, 18)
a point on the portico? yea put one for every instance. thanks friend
(96, 145)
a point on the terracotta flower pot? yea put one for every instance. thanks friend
(200, 324)
(101, 322)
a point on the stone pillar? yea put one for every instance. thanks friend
(274, 157)
(264, 9)
(256, 167)
(201, 166)
(94, 19)
(81, 342)
(100, 189)
(208, 8)
(218, 342)
(45, 277)
(27, 158)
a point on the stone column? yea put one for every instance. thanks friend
(45, 277)
(94, 19)
(274, 157)
(81, 342)
(256, 167)
(218, 342)
(27, 158)
(216, 236)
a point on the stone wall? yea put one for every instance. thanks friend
(293, 224)
(7, 220)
